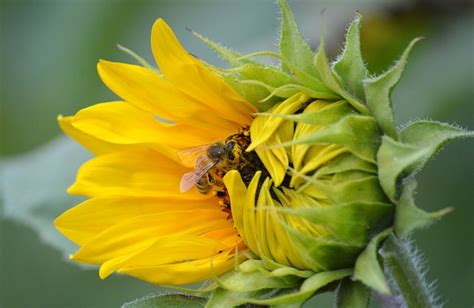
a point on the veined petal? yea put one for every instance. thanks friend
(146, 89)
(96, 146)
(86, 220)
(136, 234)
(140, 173)
(167, 250)
(122, 123)
(192, 77)
(184, 272)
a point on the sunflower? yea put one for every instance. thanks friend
(271, 181)
(137, 221)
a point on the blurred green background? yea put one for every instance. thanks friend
(49, 50)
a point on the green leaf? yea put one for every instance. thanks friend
(352, 294)
(378, 91)
(292, 44)
(408, 216)
(419, 142)
(167, 301)
(358, 133)
(349, 66)
(331, 80)
(367, 268)
(33, 188)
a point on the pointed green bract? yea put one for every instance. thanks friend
(350, 67)
(266, 74)
(367, 268)
(352, 294)
(253, 93)
(409, 217)
(140, 60)
(346, 162)
(240, 281)
(232, 57)
(292, 44)
(329, 78)
(418, 143)
(358, 133)
(378, 91)
(327, 115)
(352, 223)
(307, 289)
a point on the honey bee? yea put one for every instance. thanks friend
(213, 161)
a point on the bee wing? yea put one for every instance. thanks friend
(189, 156)
(190, 179)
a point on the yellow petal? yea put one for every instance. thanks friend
(192, 77)
(146, 89)
(140, 173)
(96, 146)
(86, 220)
(263, 132)
(122, 123)
(184, 272)
(136, 234)
(167, 250)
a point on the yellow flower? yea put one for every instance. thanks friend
(137, 221)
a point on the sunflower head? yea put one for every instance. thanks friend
(271, 181)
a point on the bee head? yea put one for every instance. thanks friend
(217, 151)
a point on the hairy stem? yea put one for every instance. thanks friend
(403, 267)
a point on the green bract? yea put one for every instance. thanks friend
(368, 186)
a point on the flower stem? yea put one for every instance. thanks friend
(402, 265)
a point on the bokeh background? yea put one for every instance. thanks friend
(49, 50)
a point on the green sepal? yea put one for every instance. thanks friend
(359, 134)
(408, 216)
(419, 142)
(292, 45)
(324, 253)
(367, 268)
(253, 93)
(307, 289)
(349, 67)
(240, 281)
(352, 294)
(331, 80)
(231, 56)
(379, 89)
(326, 116)
(352, 223)
(346, 162)
(139, 59)
(269, 75)
(278, 270)
(176, 300)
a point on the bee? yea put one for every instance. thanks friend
(212, 162)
